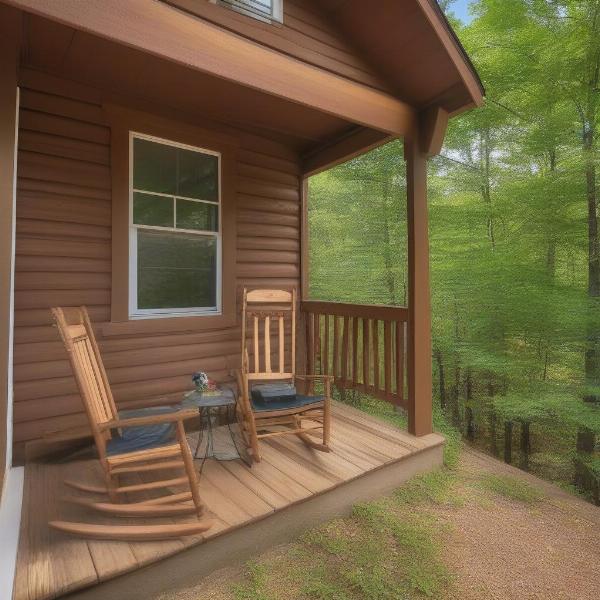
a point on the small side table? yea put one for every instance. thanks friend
(210, 406)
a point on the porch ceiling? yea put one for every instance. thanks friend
(124, 74)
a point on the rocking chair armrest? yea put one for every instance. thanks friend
(179, 415)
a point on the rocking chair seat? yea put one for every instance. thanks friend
(142, 437)
(298, 402)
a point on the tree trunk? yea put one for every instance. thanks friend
(442, 378)
(493, 433)
(469, 416)
(589, 115)
(508, 437)
(525, 446)
(455, 398)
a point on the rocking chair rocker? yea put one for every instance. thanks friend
(298, 415)
(139, 441)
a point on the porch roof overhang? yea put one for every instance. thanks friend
(327, 118)
(158, 29)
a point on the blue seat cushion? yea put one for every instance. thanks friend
(264, 393)
(142, 437)
(297, 402)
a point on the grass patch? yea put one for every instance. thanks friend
(386, 550)
(254, 585)
(437, 487)
(511, 488)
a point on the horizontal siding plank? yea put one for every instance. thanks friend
(55, 229)
(38, 280)
(44, 143)
(64, 127)
(59, 105)
(252, 242)
(63, 170)
(30, 246)
(52, 207)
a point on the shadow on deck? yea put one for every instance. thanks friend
(292, 489)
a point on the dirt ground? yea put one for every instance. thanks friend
(494, 547)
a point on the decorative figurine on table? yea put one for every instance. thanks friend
(204, 385)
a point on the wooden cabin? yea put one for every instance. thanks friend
(101, 102)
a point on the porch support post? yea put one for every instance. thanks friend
(419, 310)
(10, 28)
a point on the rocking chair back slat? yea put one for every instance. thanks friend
(261, 307)
(88, 369)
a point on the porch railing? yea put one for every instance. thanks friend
(363, 346)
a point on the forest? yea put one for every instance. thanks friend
(514, 241)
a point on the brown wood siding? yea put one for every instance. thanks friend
(63, 257)
(306, 34)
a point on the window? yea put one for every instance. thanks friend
(175, 229)
(264, 10)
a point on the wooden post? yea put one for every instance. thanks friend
(10, 27)
(419, 317)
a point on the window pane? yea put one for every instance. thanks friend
(198, 175)
(152, 210)
(197, 215)
(154, 166)
(176, 270)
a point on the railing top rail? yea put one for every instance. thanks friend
(365, 311)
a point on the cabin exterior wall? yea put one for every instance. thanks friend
(63, 257)
(306, 34)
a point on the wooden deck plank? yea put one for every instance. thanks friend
(51, 564)
(366, 439)
(329, 462)
(313, 479)
(110, 557)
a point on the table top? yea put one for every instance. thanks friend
(220, 397)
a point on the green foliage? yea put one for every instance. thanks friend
(512, 315)
(511, 488)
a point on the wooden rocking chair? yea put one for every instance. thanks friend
(139, 442)
(259, 420)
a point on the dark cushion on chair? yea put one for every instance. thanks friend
(297, 402)
(142, 437)
(263, 393)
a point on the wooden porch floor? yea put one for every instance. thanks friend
(51, 564)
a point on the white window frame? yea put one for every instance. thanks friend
(238, 5)
(152, 313)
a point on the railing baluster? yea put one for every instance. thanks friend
(318, 349)
(400, 361)
(310, 337)
(375, 356)
(387, 356)
(336, 348)
(345, 352)
(366, 354)
(355, 352)
(325, 349)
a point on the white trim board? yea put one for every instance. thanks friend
(10, 522)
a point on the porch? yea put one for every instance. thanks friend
(290, 490)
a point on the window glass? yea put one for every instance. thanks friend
(197, 215)
(152, 210)
(154, 167)
(197, 175)
(176, 270)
